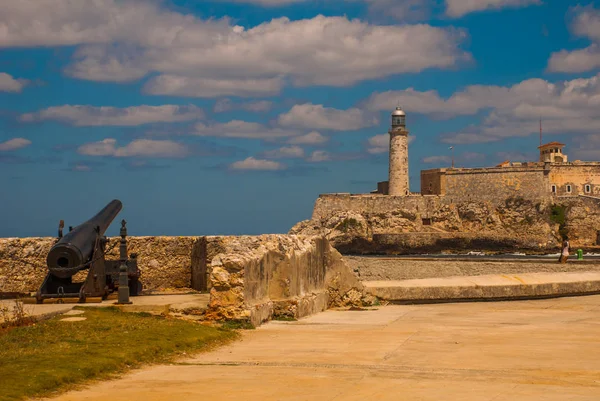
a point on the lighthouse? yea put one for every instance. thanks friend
(398, 179)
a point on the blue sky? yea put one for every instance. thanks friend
(232, 116)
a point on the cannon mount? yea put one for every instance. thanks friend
(85, 248)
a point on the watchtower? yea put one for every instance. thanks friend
(552, 153)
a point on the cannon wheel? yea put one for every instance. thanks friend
(135, 288)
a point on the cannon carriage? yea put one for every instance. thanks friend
(84, 248)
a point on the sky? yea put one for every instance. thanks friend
(232, 116)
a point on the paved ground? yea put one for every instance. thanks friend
(508, 351)
(386, 268)
(490, 287)
(147, 303)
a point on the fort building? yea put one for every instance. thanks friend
(551, 175)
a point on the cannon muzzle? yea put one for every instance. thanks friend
(73, 251)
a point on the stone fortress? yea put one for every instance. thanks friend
(512, 206)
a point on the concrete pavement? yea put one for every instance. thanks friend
(487, 287)
(496, 351)
(147, 303)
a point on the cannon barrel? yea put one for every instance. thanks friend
(75, 249)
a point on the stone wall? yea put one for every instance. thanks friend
(352, 222)
(258, 278)
(165, 262)
(250, 278)
(577, 176)
(486, 184)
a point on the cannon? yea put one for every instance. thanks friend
(84, 248)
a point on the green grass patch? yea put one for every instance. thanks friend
(237, 325)
(284, 318)
(52, 356)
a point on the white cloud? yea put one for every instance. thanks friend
(313, 116)
(257, 164)
(256, 106)
(586, 23)
(565, 106)
(266, 3)
(127, 39)
(458, 8)
(9, 84)
(379, 144)
(319, 156)
(437, 159)
(289, 152)
(242, 129)
(14, 144)
(130, 116)
(29, 23)
(312, 138)
(177, 85)
(137, 148)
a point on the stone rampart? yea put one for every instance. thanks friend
(163, 261)
(496, 184)
(257, 278)
(249, 278)
(352, 222)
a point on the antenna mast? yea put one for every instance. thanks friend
(541, 132)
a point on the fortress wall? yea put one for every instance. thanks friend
(165, 262)
(249, 277)
(496, 185)
(329, 204)
(360, 223)
(577, 176)
(257, 277)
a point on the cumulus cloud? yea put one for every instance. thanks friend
(312, 116)
(128, 39)
(586, 23)
(137, 148)
(130, 116)
(257, 106)
(242, 129)
(378, 144)
(177, 85)
(458, 8)
(319, 156)
(437, 159)
(14, 144)
(9, 84)
(289, 152)
(257, 164)
(312, 138)
(266, 3)
(465, 158)
(565, 106)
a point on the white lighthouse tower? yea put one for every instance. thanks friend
(398, 180)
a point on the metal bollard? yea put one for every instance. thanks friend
(580, 254)
(123, 277)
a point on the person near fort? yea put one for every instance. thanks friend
(564, 255)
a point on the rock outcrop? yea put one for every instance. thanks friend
(374, 224)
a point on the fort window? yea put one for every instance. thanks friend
(553, 189)
(588, 189)
(426, 222)
(569, 189)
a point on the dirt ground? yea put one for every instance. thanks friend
(386, 268)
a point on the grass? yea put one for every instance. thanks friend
(53, 356)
